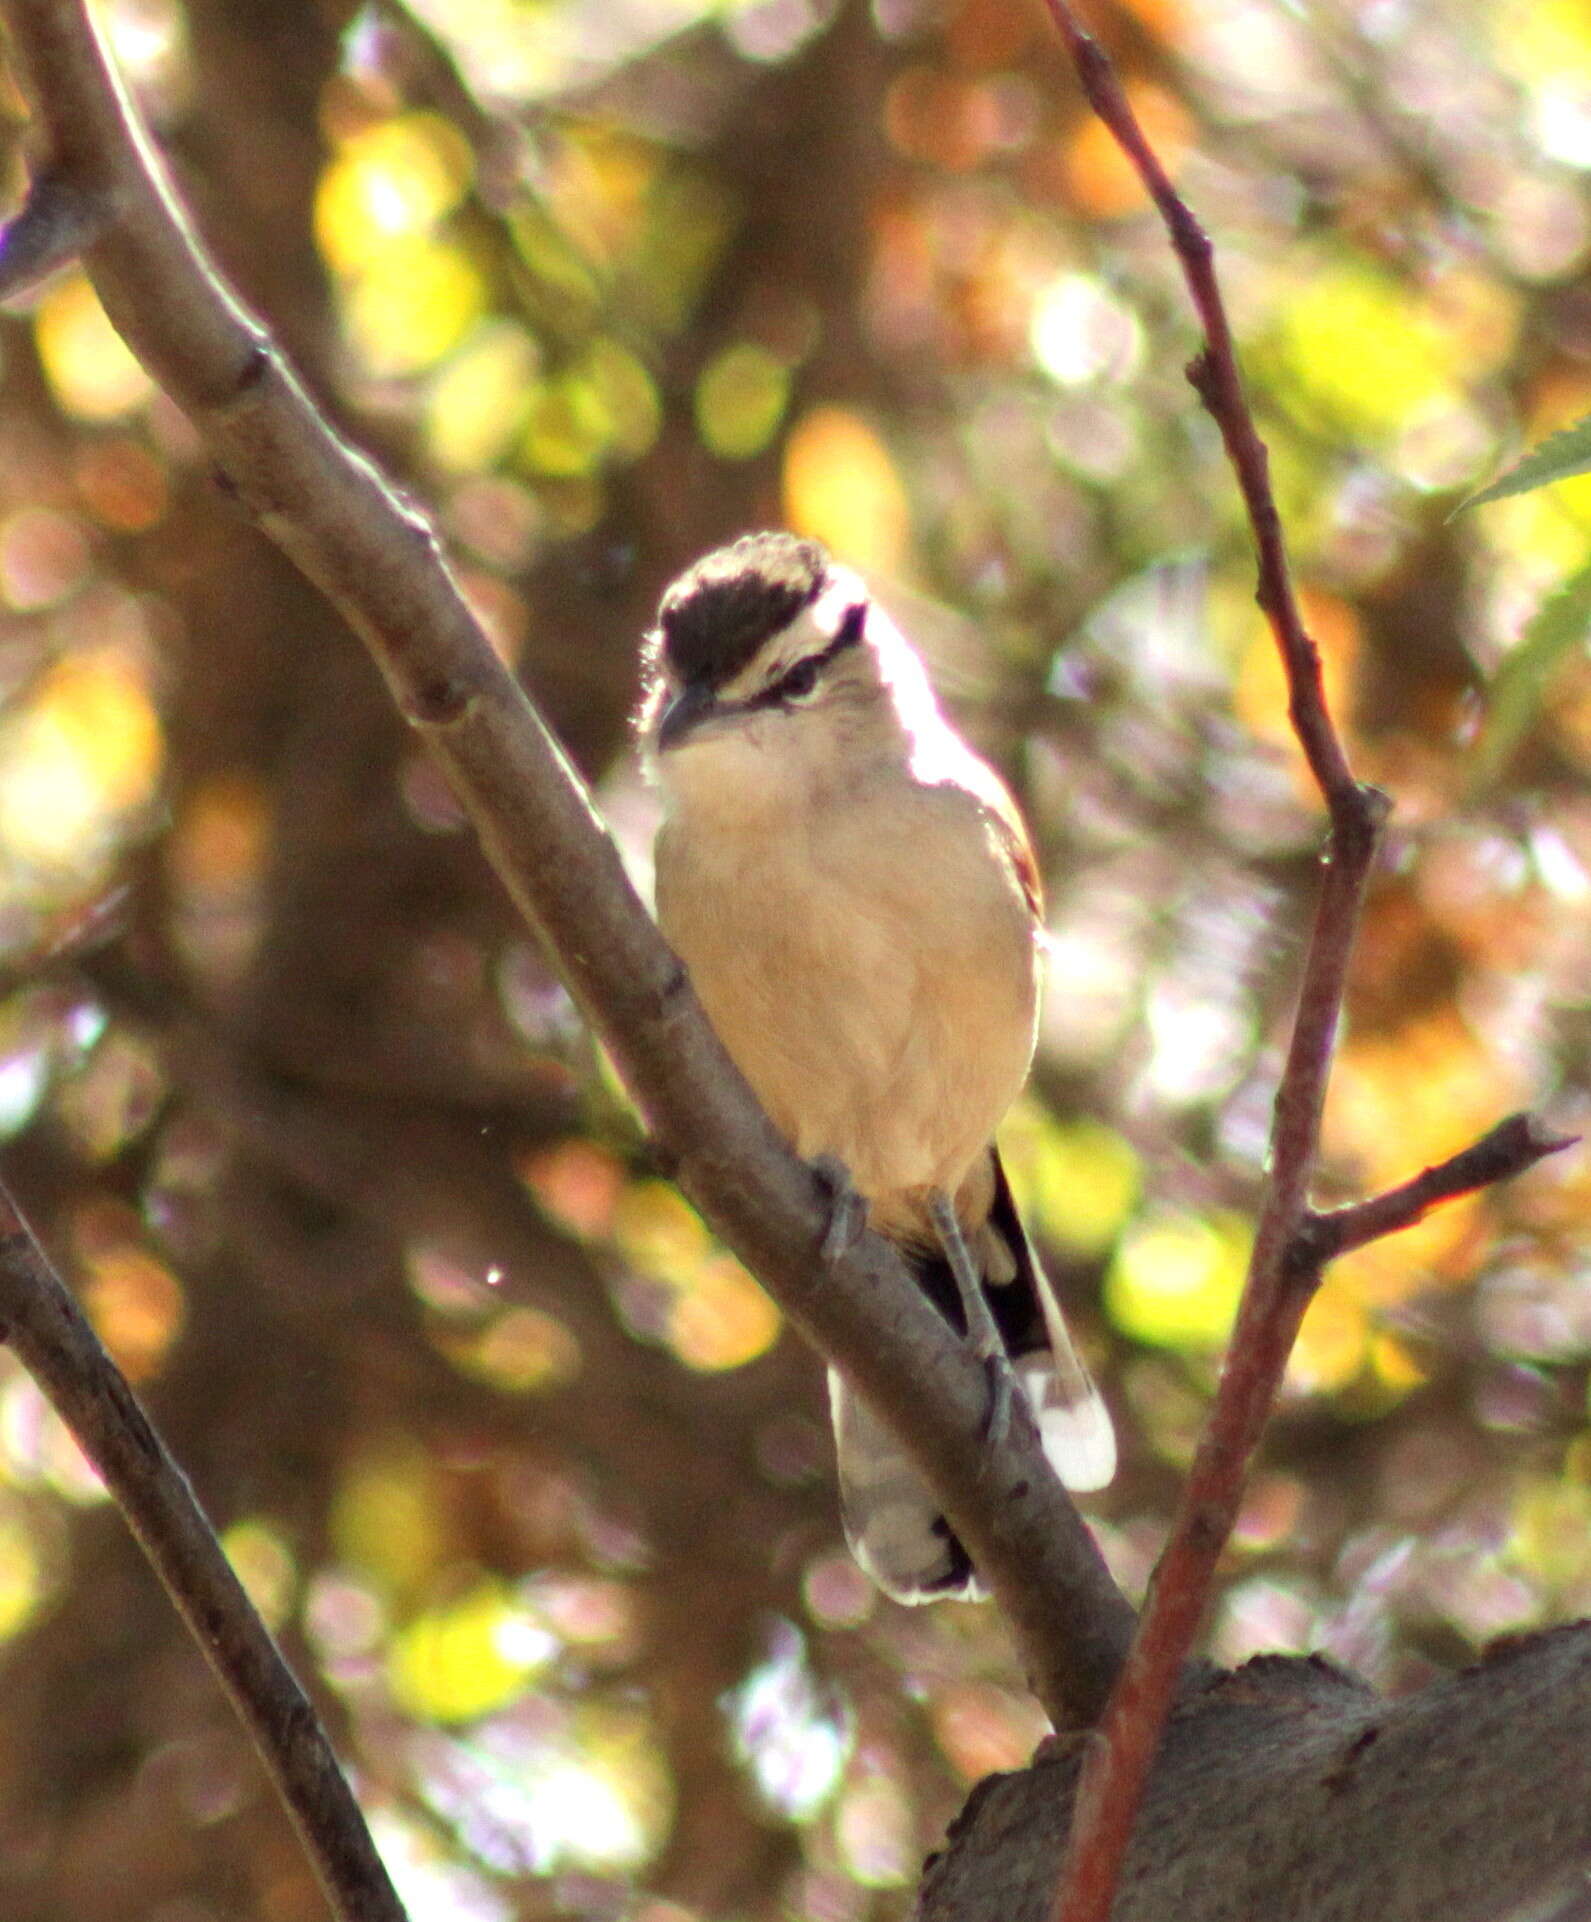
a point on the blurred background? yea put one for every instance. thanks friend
(519, 1465)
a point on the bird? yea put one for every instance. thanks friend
(855, 900)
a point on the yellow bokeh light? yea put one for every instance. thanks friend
(478, 402)
(1401, 1100)
(841, 485)
(389, 1520)
(659, 1232)
(387, 185)
(1331, 1344)
(521, 1352)
(264, 1564)
(85, 752)
(468, 1657)
(1366, 359)
(740, 400)
(22, 1580)
(137, 1307)
(91, 372)
(1551, 1535)
(1176, 1279)
(411, 305)
(1075, 1181)
(722, 1319)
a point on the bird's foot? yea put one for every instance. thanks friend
(1002, 1392)
(982, 1336)
(847, 1209)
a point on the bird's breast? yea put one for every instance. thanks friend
(874, 975)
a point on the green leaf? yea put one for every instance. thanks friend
(1559, 457)
(1520, 683)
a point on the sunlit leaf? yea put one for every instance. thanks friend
(1519, 687)
(1559, 457)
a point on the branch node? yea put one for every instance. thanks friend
(55, 223)
(438, 701)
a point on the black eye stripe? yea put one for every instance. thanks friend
(800, 679)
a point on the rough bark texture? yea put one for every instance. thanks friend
(1288, 1789)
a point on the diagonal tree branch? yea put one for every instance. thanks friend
(54, 1342)
(377, 560)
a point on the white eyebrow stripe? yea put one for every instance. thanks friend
(813, 631)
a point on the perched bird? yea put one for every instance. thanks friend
(854, 897)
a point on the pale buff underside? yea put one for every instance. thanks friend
(868, 958)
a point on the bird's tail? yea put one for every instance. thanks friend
(892, 1521)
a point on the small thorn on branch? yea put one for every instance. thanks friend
(53, 225)
(1509, 1149)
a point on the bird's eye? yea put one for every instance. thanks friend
(800, 681)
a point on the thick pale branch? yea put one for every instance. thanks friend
(378, 562)
(43, 1326)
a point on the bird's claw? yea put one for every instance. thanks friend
(1002, 1390)
(847, 1209)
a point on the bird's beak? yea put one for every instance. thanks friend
(689, 708)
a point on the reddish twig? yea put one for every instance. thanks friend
(1291, 1244)
(1509, 1149)
(44, 1327)
(1113, 1778)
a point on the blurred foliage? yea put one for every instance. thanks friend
(518, 1463)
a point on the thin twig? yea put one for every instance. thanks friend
(43, 1325)
(1291, 1244)
(1509, 1149)
(52, 229)
(1117, 1767)
(377, 561)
